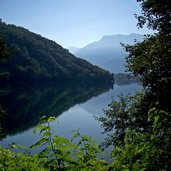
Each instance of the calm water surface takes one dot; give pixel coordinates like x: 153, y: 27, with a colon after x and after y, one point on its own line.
x: 73, y: 105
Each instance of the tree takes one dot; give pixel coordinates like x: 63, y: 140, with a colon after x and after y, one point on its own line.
x: 139, y: 127
x: 156, y: 15
x: 4, y: 51
x: 139, y: 150
x: 150, y: 59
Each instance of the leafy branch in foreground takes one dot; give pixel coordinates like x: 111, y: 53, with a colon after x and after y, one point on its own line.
x: 146, y: 150
x: 58, y: 153
x: 139, y: 151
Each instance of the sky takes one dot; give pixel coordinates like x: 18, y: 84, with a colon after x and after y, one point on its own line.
x: 73, y: 22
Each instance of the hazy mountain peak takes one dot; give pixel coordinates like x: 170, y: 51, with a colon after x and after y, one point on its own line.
x: 108, y: 52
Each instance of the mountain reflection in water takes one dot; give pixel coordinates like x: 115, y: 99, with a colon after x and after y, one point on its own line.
x: 24, y: 104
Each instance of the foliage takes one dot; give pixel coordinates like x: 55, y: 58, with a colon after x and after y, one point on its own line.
x: 36, y: 59
x: 4, y: 54
x: 139, y: 151
x: 4, y: 51
x: 146, y: 151
x: 150, y: 59
x: 58, y: 153
x: 156, y: 15
x: 139, y: 126
x: 126, y: 113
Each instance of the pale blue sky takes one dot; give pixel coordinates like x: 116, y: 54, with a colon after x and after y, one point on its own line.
x: 73, y: 22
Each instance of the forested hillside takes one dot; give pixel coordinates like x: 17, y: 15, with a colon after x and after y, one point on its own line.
x: 34, y: 58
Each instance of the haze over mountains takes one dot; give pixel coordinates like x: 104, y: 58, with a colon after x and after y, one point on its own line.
x: 34, y: 58
x: 73, y: 49
x: 108, y: 52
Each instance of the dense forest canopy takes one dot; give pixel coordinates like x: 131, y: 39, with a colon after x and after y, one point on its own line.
x: 34, y: 58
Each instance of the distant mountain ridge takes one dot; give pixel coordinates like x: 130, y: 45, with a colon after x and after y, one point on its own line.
x: 73, y: 49
x: 108, y: 52
x: 36, y: 59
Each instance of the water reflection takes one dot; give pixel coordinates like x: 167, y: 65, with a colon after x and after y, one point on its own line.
x: 24, y: 104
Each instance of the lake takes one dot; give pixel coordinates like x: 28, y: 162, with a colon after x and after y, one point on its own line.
x: 74, y: 105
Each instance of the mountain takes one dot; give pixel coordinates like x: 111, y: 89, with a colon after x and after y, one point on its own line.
x: 108, y: 52
x: 73, y: 49
x: 25, y: 104
x: 36, y: 59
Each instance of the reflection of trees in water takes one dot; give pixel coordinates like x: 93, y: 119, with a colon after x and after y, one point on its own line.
x: 2, y: 113
x: 26, y: 103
